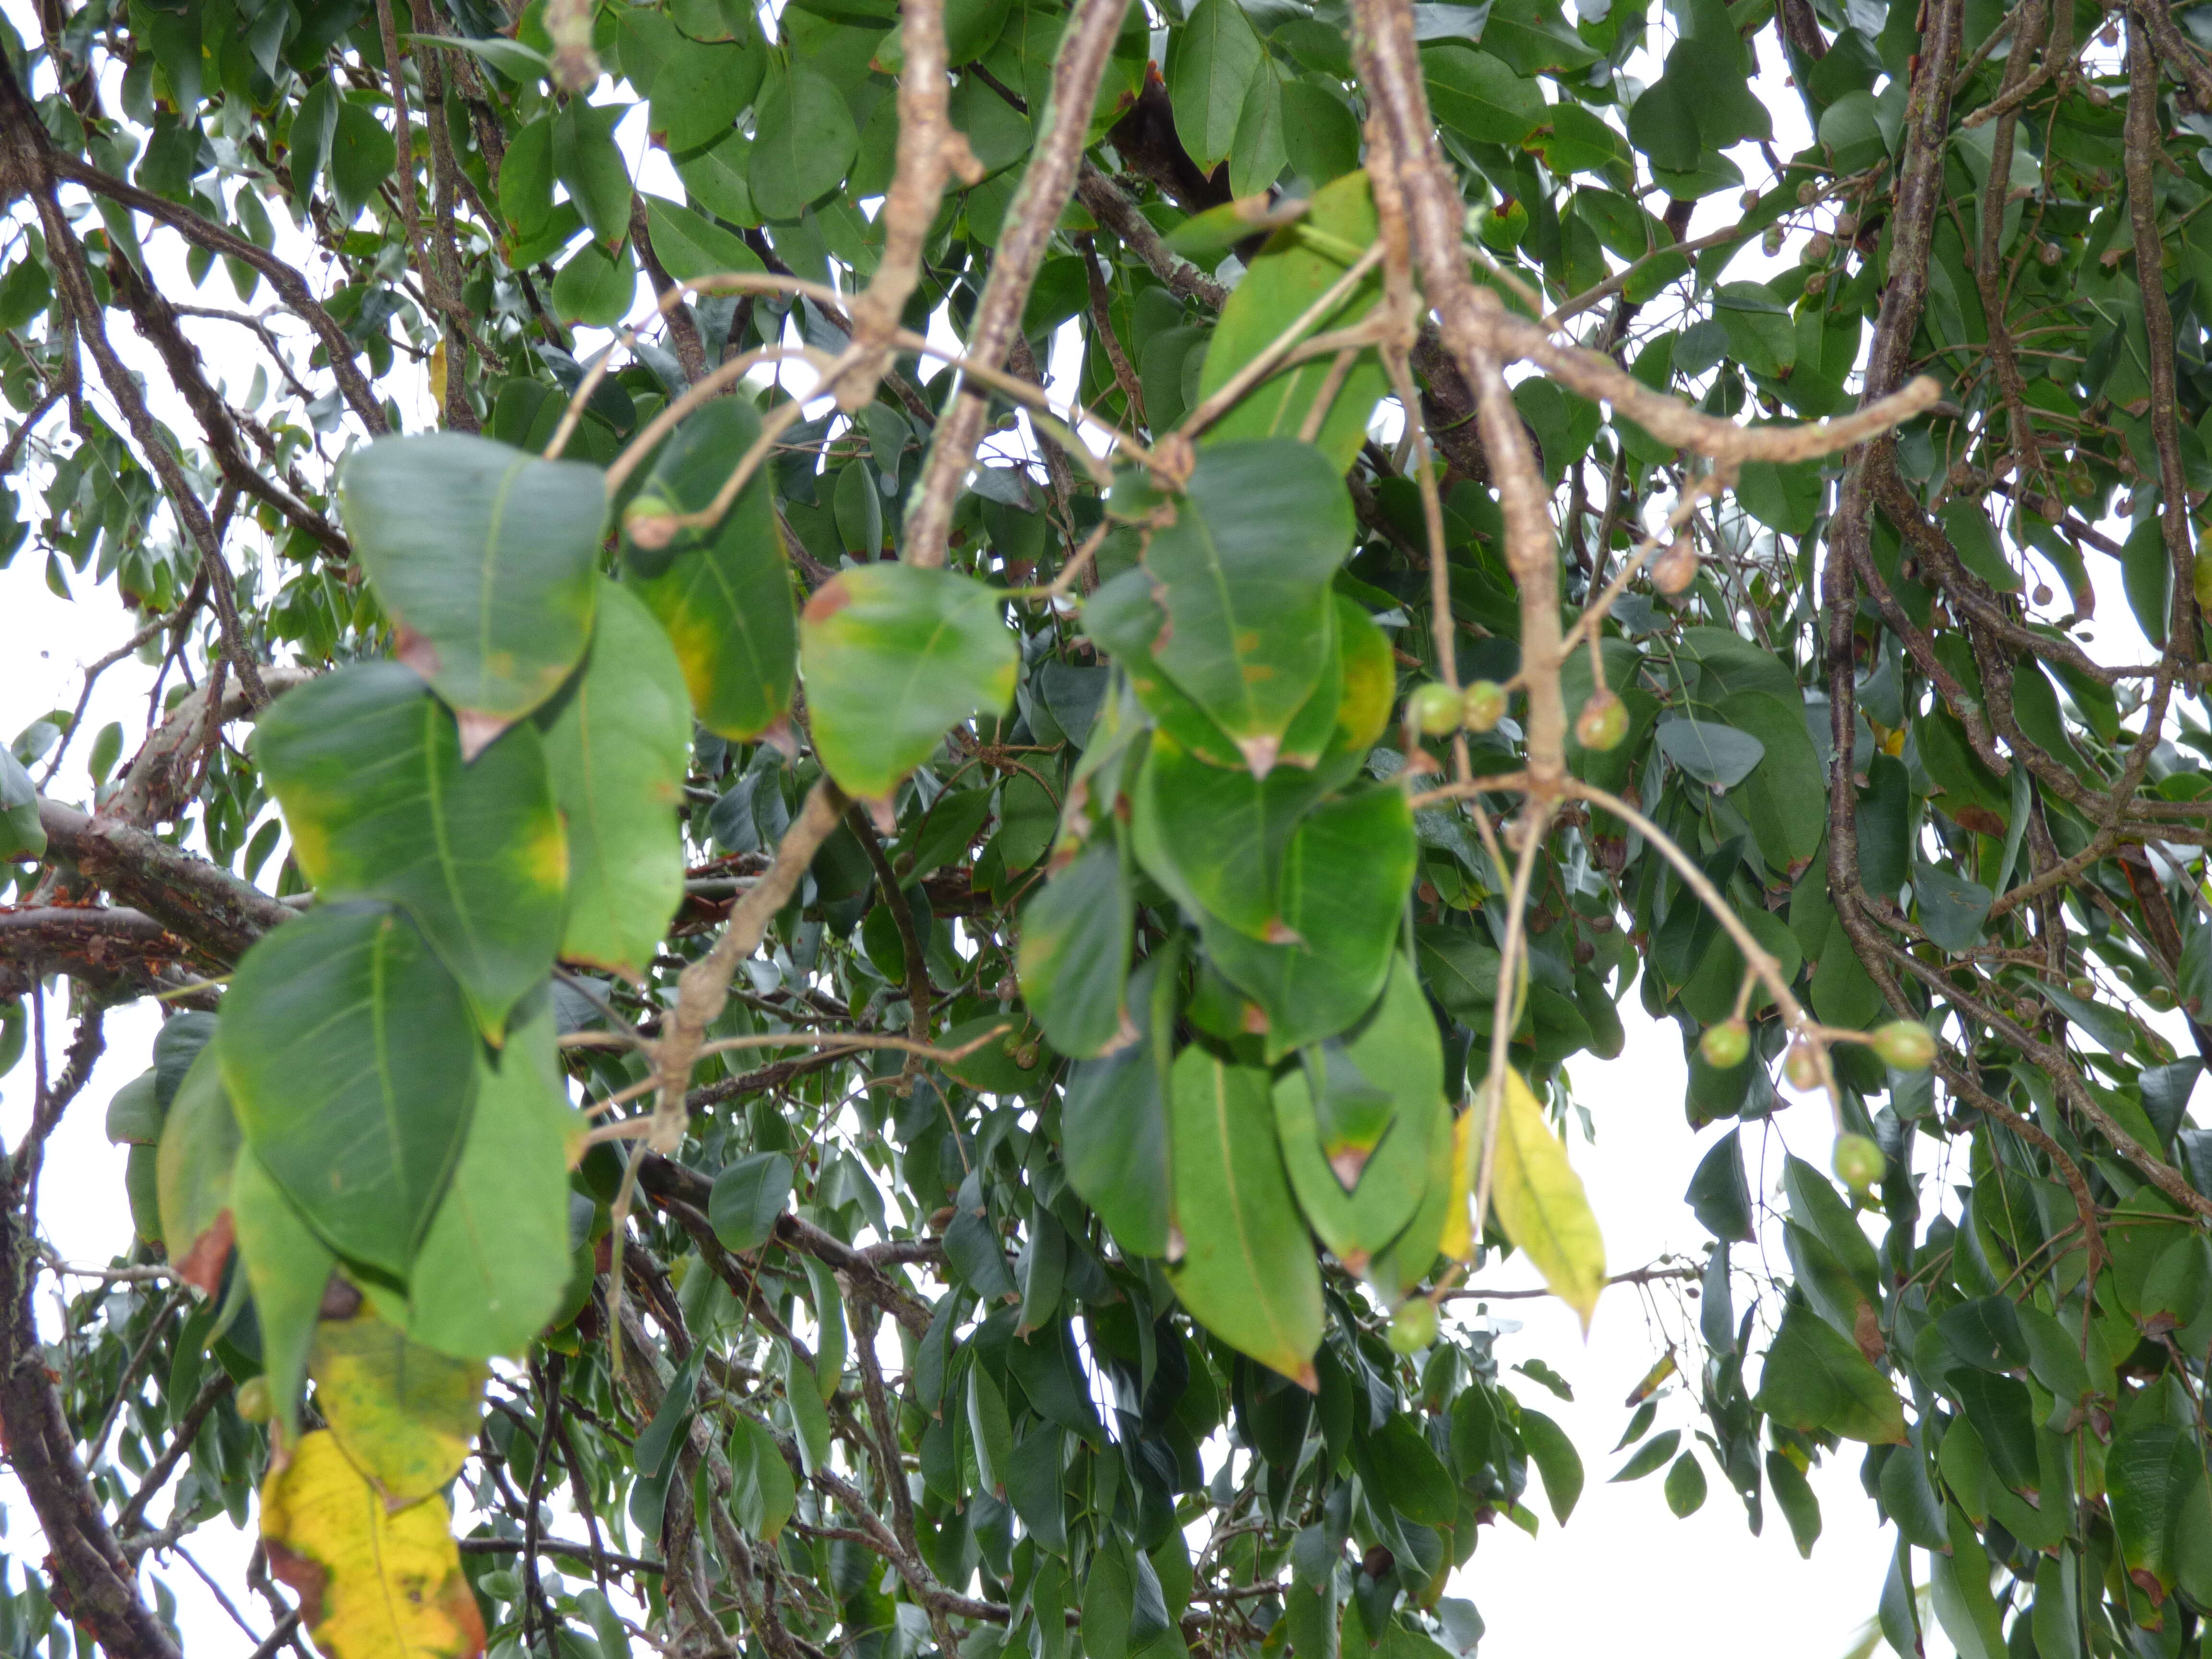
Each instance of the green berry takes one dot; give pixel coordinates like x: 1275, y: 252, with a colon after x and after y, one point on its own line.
x: 1906, y: 1045
x: 2160, y: 997
x: 255, y: 1403
x: 1726, y: 1045
x: 1484, y: 705
x: 1603, y: 722
x: 1413, y: 1326
x: 1858, y: 1163
x: 650, y: 523
x: 1802, y: 1067
x: 2203, y: 581
x: 1433, y: 710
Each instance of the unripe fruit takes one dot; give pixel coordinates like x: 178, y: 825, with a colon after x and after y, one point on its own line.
x: 1772, y: 240
x: 255, y: 1403
x: 2160, y: 997
x: 1484, y: 706
x: 1726, y: 1045
x: 1847, y: 225
x: 1676, y: 569
x: 1817, y: 282
x: 1858, y: 1163
x: 2082, y: 985
x: 1802, y: 1067
x: 2050, y: 252
x: 1603, y: 722
x: 2044, y: 595
x: 1413, y: 1326
x: 1818, y: 247
x: 1808, y: 193
x: 650, y: 523
x: 2202, y: 582
x: 1906, y: 1045
x: 1432, y: 709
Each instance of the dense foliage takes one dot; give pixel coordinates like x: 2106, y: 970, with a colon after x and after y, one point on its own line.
x: 890, y: 1018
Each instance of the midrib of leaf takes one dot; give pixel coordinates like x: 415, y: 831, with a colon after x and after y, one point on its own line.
x: 447, y: 869
x: 490, y: 570
x: 1236, y: 1210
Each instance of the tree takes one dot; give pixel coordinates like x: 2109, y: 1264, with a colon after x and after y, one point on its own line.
x: 1061, y: 963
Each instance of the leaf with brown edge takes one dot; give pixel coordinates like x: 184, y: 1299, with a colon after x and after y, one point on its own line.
x: 372, y: 1584
x: 198, y: 1151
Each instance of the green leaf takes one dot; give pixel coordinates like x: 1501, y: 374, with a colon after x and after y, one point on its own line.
x: 993, y: 1430
x: 1952, y: 908
x: 596, y: 286
x: 718, y: 179
x: 1816, y: 1379
x: 1246, y: 567
x: 1407, y: 1474
x: 315, y: 124
x: 1651, y: 1454
x: 21, y: 835
x: 697, y: 89
x: 1480, y: 98
x: 199, y: 1149
x: 748, y: 1197
x: 589, y: 161
x: 1556, y: 1459
x: 1113, y: 1125
x: 1074, y: 959
x: 1460, y: 970
x: 1284, y: 280
x: 484, y: 556
x: 1245, y: 1270
x: 1539, y: 1202
x: 1719, y: 1194
x: 1717, y: 755
x: 526, y: 179
x: 723, y: 594
x: 1794, y: 1496
x: 1034, y: 1476
x: 403, y: 1414
x: 894, y: 656
x: 617, y: 740
x: 1215, y: 837
x: 349, y: 1057
x: 763, y: 1495
x: 1344, y: 875
x: 1360, y: 1182
x: 1211, y: 61
x: 367, y: 764
x: 803, y: 142
x: 1685, y: 1486
x: 134, y: 1117
x: 362, y: 155
x: 288, y: 1267
x: 495, y: 1262
x: 1785, y: 798
x: 689, y: 244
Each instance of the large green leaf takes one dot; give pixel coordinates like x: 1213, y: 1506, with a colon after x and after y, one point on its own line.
x: 484, y: 556
x: 894, y: 655
x: 1246, y: 567
x: 1289, y: 274
x: 589, y: 161
x: 1480, y: 98
x: 350, y: 1059
x: 1355, y: 1120
x: 1816, y: 1379
x: 1211, y: 60
x: 804, y: 141
x: 618, y: 739
x: 1075, y: 950
x: 1114, y: 1122
x: 1246, y: 1271
x: 198, y: 1151
x: 1344, y: 875
x: 494, y: 1262
x: 698, y: 89
x: 367, y: 766
x: 723, y: 594
x: 288, y: 1267
x: 1214, y: 838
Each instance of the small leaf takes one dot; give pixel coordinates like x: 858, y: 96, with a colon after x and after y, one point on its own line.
x: 1952, y: 908
x: 1075, y: 950
x: 1114, y: 1124
x: 763, y: 1495
x: 1539, y: 1202
x: 1719, y: 1194
x: 1719, y: 756
x: 894, y: 656
x: 485, y: 553
x: 1651, y: 1454
x: 1685, y: 1486
x: 1246, y: 1271
x: 22, y: 835
x: 1556, y: 1459
x: 199, y: 1149
x: 362, y: 154
x: 372, y: 1584
x: 1794, y: 1496
x: 1817, y: 1379
x: 288, y: 1268
x: 589, y: 161
x: 1211, y: 60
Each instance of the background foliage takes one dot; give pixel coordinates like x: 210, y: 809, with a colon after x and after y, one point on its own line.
x: 1034, y: 930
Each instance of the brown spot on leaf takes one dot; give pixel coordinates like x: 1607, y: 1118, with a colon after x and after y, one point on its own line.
x: 201, y: 1266
x: 829, y: 600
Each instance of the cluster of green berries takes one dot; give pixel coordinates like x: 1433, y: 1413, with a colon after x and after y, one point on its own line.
x: 1905, y: 1045
x: 1435, y: 710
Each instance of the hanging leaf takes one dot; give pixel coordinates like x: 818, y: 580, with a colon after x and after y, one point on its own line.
x: 484, y: 556
x: 199, y: 1149
x: 1075, y: 950
x: 763, y: 1495
x: 349, y: 1057
x: 1817, y: 1379
x: 803, y: 142
x: 894, y: 656
x: 288, y: 1268
x: 1214, y: 838
x: 589, y: 163
x: 1245, y: 1270
x: 367, y: 766
x: 403, y: 1416
x: 747, y: 1198
x: 1211, y: 61
x: 1716, y: 756
x: 1539, y: 1202
x: 1114, y: 1122
x: 372, y: 1584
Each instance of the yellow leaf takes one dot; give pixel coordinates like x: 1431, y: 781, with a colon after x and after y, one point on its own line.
x: 438, y: 373
x: 372, y: 1584
x: 1458, y: 1242
x: 403, y: 1414
x: 1539, y: 1202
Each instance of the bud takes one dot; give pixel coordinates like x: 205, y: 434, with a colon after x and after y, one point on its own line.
x: 1801, y: 1067
x: 1847, y: 225
x: 1673, y: 571
x: 1432, y: 709
x: 1484, y: 706
x: 2082, y: 985
x: 2098, y: 96
x: 1772, y: 242
x: 1725, y: 1046
x: 2044, y: 595
x: 1858, y: 1163
x: 255, y: 1403
x: 1816, y: 283
x: 1818, y: 247
x: 2161, y: 998
x: 1413, y: 1326
x: 1603, y: 722
x: 1906, y: 1045
x: 2050, y: 252
x: 1808, y: 193
x: 1747, y: 200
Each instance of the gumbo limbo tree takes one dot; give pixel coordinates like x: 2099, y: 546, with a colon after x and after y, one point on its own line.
x: 884, y: 1029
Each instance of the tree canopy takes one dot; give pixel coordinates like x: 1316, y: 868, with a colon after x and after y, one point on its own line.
x: 870, y: 874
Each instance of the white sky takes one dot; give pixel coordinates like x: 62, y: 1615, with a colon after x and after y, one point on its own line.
x: 1624, y: 1567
